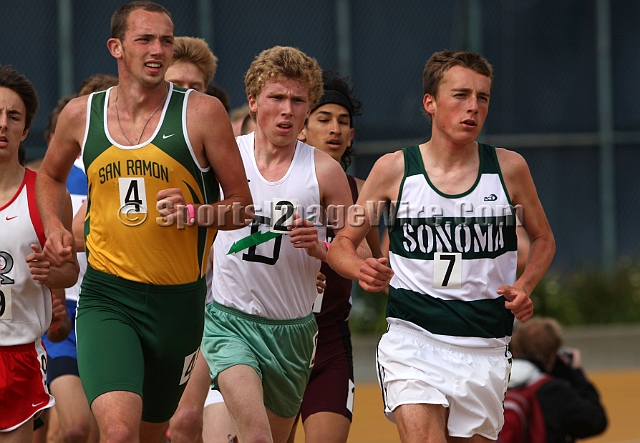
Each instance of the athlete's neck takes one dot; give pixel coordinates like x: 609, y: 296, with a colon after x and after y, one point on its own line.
x: 138, y: 101
x: 448, y: 156
x: 452, y: 171
x: 273, y: 161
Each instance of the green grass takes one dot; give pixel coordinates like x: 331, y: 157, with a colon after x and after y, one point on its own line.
x: 590, y: 296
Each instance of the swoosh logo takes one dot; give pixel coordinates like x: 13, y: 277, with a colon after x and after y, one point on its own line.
x: 165, y: 136
x: 10, y: 218
x: 33, y: 405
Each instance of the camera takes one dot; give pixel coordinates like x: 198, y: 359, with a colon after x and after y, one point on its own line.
x: 567, y: 355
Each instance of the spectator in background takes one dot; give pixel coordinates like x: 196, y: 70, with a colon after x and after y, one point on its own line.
x: 569, y: 402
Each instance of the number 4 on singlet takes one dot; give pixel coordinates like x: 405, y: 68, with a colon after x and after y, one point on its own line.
x: 447, y: 270
x: 133, y: 195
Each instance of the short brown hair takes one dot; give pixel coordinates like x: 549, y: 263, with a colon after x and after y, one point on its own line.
x: 284, y: 63
x: 538, y: 338
x: 120, y: 17
x: 441, y: 62
x: 195, y: 50
x: 95, y: 83
x: 20, y: 84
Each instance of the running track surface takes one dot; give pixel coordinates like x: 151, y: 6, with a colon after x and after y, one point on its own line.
x: 619, y: 392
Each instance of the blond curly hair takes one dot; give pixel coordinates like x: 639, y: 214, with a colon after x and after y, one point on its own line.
x: 280, y: 63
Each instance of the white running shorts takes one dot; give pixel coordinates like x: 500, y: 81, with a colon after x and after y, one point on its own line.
x: 416, y: 369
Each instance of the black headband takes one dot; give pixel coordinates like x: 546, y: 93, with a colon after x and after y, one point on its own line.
x: 337, y: 97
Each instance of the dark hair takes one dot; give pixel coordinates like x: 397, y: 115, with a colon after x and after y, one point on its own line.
x: 120, y: 17
x: 217, y: 91
x: 52, y: 120
x: 18, y: 83
x: 22, y: 155
x: 336, y: 90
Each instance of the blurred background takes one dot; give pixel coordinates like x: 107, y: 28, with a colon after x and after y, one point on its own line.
x: 564, y: 96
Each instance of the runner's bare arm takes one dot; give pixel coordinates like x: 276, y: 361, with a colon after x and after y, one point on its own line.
x: 522, y: 190
x: 382, y: 185
x: 60, y: 321
x: 78, y: 226
x: 63, y: 275
x: 370, y: 247
x: 334, y: 190
x: 212, y: 139
x: 52, y: 177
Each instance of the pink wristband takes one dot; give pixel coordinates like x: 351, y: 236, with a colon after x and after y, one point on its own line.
x: 327, y: 244
x: 192, y: 215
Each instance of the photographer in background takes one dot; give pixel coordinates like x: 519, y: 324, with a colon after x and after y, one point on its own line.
x: 569, y: 403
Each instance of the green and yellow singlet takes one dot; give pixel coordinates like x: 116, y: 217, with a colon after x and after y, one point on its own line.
x: 122, y: 235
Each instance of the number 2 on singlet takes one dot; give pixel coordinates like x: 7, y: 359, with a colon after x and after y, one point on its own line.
x: 447, y: 270
x: 282, y: 211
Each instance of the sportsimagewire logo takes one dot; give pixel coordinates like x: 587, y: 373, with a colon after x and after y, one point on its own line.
x: 132, y: 214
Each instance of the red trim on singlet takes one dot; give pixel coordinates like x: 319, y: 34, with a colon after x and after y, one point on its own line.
x: 30, y: 178
x: 24, y: 180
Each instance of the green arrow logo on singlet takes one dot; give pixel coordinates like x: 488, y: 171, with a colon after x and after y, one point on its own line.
x: 255, y: 239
